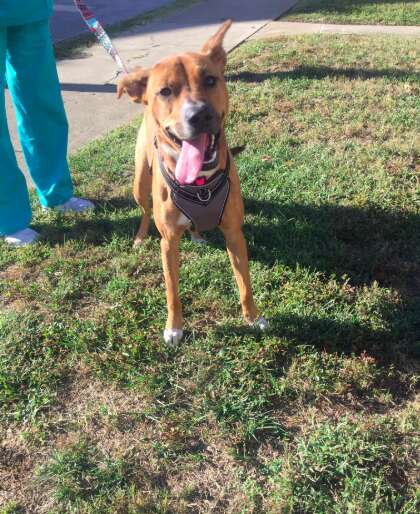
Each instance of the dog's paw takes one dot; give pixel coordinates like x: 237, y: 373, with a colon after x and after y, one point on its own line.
x: 198, y: 239
x: 172, y: 336
x: 138, y: 242
x: 261, y: 323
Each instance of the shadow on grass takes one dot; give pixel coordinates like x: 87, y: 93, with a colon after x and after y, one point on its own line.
x: 116, y: 203
x: 99, y: 229
x: 321, y: 72
x: 330, y: 335
x: 345, y: 7
x: 362, y: 244
x: 365, y: 244
x: 395, y: 350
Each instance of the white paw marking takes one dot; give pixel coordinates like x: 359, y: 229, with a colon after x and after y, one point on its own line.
x: 172, y: 336
x: 261, y: 323
x: 199, y: 240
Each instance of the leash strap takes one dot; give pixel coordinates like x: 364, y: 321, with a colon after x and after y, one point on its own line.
x: 96, y: 28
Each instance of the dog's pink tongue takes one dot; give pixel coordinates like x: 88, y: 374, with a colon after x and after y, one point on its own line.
x: 191, y: 159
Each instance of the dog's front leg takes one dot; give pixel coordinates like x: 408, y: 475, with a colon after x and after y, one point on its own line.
x: 142, y: 187
x: 170, y: 260
x: 238, y: 255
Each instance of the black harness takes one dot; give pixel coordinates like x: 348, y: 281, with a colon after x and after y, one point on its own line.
x: 202, y: 205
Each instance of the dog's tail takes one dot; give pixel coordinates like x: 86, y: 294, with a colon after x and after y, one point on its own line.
x: 236, y: 150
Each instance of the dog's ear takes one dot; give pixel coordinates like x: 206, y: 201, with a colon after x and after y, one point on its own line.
x: 134, y: 84
x: 214, y: 46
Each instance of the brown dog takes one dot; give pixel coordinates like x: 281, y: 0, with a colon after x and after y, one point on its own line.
x: 182, y: 159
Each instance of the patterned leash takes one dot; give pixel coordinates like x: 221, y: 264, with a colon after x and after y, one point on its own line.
x: 96, y: 28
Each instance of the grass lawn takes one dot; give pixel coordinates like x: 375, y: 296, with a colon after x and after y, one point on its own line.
x: 375, y: 12
x: 319, y: 414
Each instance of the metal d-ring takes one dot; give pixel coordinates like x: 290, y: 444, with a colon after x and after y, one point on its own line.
x: 204, y: 200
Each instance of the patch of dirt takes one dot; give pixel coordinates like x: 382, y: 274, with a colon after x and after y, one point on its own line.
x: 24, y: 448
x: 17, y: 464
x: 199, y: 473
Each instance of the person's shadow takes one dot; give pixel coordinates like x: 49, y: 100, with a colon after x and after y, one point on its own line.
x: 366, y: 244
x: 358, y: 246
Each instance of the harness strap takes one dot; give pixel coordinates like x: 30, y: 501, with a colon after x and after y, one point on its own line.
x: 202, y: 205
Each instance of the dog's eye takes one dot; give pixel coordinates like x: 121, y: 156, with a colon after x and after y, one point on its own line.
x: 166, y: 91
x: 210, y: 81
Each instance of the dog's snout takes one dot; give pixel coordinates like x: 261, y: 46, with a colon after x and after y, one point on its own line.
x: 200, y: 117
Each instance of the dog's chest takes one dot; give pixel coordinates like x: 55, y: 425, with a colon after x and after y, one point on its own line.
x: 183, y: 221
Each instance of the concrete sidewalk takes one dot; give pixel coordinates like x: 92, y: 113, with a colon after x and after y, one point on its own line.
x: 66, y: 21
x: 287, y: 28
x: 90, y: 100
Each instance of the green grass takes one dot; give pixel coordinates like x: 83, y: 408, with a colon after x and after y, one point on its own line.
x: 342, y: 467
x: 84, y: 479
x: 364, y: 12
x: 320, y: 413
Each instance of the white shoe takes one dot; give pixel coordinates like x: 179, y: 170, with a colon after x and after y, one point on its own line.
x: 23, y: 237
x: 75, y: 205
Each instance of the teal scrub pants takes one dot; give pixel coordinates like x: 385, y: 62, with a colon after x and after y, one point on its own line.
x: 27, y: 64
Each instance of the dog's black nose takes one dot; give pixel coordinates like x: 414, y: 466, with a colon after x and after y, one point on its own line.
x: 200, y: 117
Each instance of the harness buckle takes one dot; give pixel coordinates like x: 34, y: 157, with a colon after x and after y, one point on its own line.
x: 201, y: 191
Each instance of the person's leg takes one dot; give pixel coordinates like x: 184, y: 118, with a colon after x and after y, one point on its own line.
x: 43, y: 131
x: 15, y: 210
